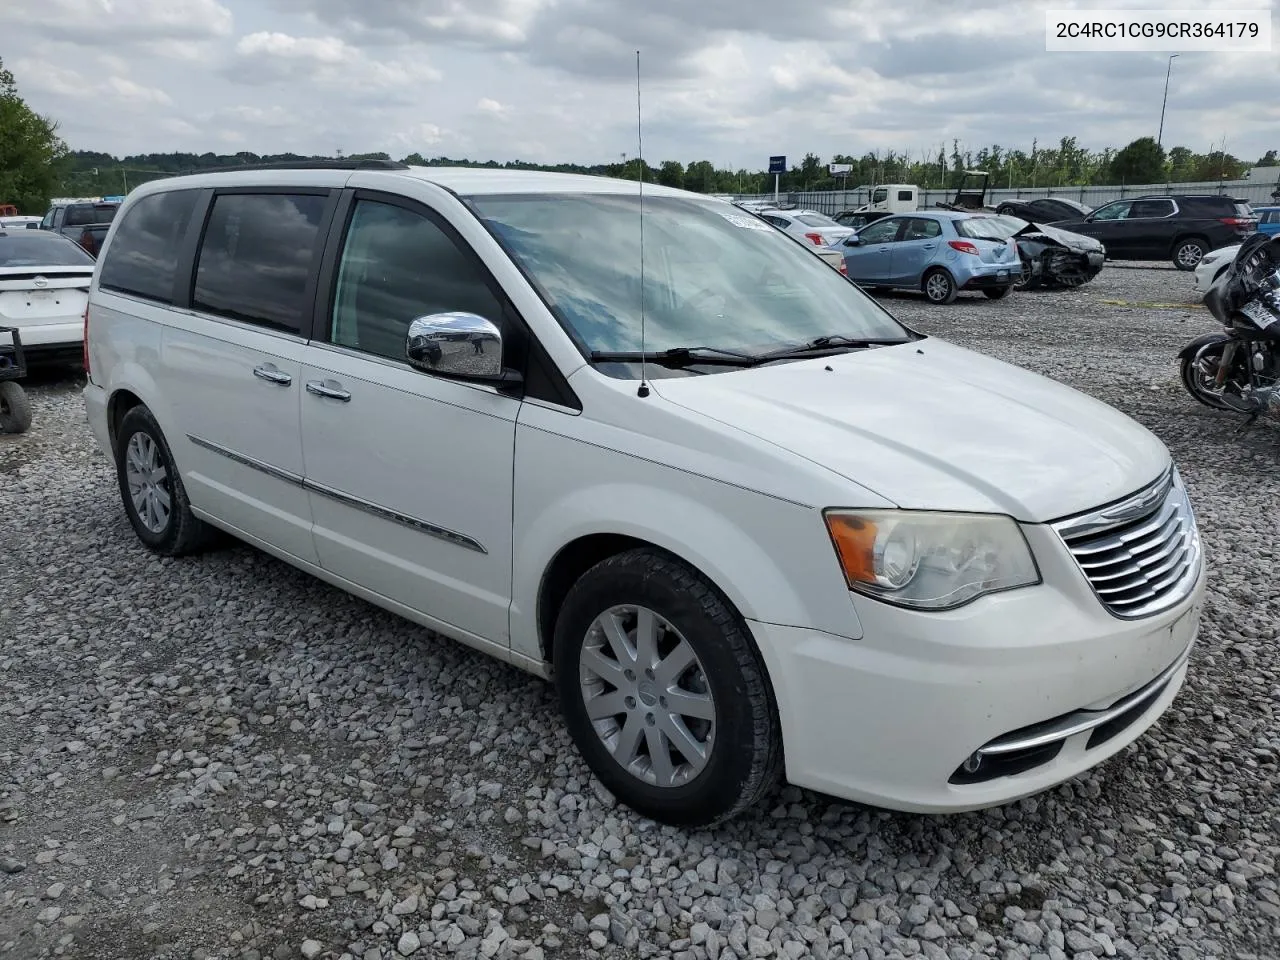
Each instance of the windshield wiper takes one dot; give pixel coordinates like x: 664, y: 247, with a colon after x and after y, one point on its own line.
x: 819, y: 345
x: 677, y: 357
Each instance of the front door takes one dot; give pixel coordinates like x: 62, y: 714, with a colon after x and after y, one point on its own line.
x: 1107, y: 224
x: 409, y: 474
x: 870, y: 261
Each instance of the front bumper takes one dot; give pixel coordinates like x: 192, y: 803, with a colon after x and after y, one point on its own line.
x: 890, y: 720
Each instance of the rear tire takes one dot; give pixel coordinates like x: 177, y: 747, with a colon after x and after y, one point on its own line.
x: 621, y: 638
x: 1188, y: 252
x: 997, y: 293
x: 15, y: 408
x: 938, y: 286
x: 150, y: 486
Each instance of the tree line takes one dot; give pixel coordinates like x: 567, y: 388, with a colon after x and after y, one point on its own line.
x: 35, y: 164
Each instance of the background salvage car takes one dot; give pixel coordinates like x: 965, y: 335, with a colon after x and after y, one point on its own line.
x: 1052, y: 257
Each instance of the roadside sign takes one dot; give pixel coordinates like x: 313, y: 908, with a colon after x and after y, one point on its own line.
x: 777, y: 164
x: 839, y: 168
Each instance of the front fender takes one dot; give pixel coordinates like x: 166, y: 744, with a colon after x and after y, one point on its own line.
x: 1190, y: 350
x: 772, y: 560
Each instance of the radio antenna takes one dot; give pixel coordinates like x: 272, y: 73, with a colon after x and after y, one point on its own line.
x: 644, y: 370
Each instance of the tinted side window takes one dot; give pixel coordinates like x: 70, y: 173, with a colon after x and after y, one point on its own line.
x: 1151, y: 208
x: 143, y: 257
x: 256, y: 257
x: 904, y: 195
x: 396, y: 266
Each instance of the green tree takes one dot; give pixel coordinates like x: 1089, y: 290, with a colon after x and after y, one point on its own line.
x: 671, y: 173
x: 30, y: 151
x: 1140, y: 162
x: 1269, y: 159
x: 1218, y: 166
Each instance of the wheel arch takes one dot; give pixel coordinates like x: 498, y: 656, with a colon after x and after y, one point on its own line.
x: 767, y: 569
x: 1204, y: 340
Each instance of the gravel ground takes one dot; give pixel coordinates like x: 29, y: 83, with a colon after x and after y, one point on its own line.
x: 222, y: 757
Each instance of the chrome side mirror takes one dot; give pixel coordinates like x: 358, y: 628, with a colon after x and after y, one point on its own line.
x: 461, y: 345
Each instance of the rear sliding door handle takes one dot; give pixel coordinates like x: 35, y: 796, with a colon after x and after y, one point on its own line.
x: 328, y: 389
x: 272, y: 374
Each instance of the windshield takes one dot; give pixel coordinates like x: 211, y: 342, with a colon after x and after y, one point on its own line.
x: 41, y: 250
x: 989, y: 228
x: 714, y: 276
x: 816, y: 220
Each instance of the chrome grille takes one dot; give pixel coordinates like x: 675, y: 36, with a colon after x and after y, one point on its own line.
x: 1141, y: 555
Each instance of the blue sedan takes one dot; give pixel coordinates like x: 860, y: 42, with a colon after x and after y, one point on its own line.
x: 938, y: 252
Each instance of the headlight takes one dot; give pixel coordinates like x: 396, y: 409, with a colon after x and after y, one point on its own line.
x: 930, y: 561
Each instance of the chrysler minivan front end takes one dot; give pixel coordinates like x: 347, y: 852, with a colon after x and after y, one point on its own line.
x: 997, y: 658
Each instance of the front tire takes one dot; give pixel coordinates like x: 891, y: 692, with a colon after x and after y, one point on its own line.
x: 1188, y: 253
x: 15, y: 408
x: 1198, y: 380
x: 938, y: 287
x: 150, y: 486
x: 664, y: 692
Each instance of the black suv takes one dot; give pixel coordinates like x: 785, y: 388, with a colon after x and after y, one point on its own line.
x: 1183, y: 228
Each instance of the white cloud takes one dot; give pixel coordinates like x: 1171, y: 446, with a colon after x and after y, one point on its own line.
x: 732, y: 81
x: 105, y: 21
x: 269, y: 56
x: 326, y: 50
x: 131, y: 92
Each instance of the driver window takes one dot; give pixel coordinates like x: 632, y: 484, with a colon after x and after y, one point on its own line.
x: 1113, y: 211
x: 398, y: 265
x: 882, y: 231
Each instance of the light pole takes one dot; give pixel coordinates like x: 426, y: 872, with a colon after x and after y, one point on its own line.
x: 1168, y: 71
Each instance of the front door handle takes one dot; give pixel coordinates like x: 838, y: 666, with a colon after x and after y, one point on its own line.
x: 328, y: 388
x: 272, y: 374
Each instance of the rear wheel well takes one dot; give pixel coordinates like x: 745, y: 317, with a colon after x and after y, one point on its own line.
x: 121, y: 402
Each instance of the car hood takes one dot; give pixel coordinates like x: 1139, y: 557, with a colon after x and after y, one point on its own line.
x: 932, y: 426
x: 1072, y: 241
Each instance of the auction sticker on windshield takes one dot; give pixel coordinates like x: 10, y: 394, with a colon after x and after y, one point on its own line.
x: 1088, y: 31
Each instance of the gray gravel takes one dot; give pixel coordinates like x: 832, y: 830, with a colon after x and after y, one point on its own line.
x: 221, y: 757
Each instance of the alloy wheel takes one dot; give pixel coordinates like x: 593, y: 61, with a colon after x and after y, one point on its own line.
x: 148, y: 482
x: 937, y: 287
x: 647, y: 696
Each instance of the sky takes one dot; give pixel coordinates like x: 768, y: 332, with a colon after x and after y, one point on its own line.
x: 730, y: 81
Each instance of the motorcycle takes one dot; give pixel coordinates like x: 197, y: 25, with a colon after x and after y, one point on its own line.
x: 1239, y: 369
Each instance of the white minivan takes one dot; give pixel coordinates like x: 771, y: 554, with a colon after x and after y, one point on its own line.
x: 748, y: 523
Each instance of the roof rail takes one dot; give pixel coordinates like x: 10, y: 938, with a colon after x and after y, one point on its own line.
x: 313, y: 165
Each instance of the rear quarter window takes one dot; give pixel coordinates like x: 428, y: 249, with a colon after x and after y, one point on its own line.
x: 142, y: 259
